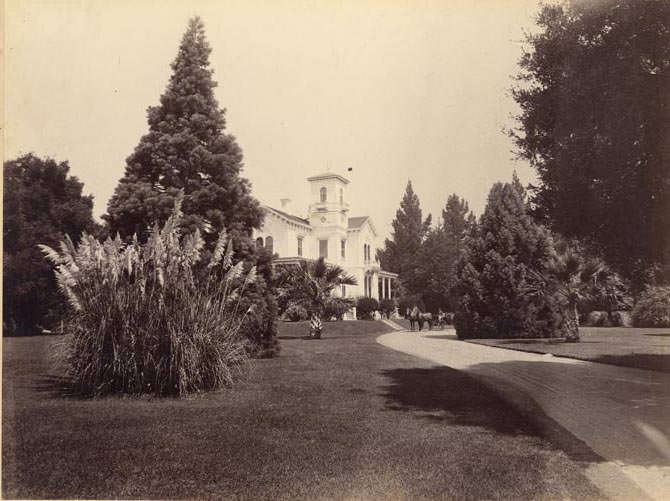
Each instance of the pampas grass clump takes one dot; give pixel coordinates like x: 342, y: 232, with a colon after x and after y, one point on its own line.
x: 143, y: 321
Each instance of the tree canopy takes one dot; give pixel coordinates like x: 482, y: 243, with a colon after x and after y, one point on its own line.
x: 440, y: 252
x: 41, y: 205
x: 492, y: 274
x: 186, y: 149
x: 594, y: 92
x: 409, y: 231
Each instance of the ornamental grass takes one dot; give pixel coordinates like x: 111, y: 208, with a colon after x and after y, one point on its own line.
x: 152, y: 318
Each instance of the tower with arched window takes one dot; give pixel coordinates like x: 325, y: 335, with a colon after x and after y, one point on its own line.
x: 330, y: 232
x: 328, y: 215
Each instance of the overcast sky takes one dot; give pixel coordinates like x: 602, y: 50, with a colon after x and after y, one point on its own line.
x: 396, y: 90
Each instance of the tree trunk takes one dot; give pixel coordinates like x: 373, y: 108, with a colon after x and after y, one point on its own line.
x: 572, y: 323
x: 315, y: 326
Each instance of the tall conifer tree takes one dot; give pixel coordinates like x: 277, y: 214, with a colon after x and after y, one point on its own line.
x: 493, y: 272
x: 186, y: 149
x: 409, y: 231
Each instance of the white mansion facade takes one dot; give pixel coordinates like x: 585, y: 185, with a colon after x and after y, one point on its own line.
x: 328, y: 231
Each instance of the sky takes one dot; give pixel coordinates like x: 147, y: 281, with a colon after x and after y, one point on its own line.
x: 394, y: 90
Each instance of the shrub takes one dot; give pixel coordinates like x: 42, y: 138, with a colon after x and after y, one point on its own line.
x: 596, y: 319
x: 365, y: 307
x: 492, y: 276
x: 387, y: 306
x: 144, y: 321
x: 336, y: 308
x: 296, y: 313
x: 653, y: 308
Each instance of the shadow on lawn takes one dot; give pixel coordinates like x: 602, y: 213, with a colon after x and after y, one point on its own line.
x: 653, y: 362
x: 454, y: 397
x: 446, y: 395
x: 56, y: 386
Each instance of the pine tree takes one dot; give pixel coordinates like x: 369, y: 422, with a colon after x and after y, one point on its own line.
x: 493, y: 273
x: 409, y: 231
x: 440, y: 252
x: 186, y: 149
x: 457, y: 219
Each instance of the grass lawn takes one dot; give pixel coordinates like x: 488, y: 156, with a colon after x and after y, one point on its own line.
x: 338, y: 418
x: 625, y: 346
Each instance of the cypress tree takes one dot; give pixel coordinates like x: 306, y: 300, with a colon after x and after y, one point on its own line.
x: 493, y: 272
x: 409, y: 231
x: 440, y: 252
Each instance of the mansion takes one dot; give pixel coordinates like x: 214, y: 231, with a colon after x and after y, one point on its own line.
x: 328, y: 232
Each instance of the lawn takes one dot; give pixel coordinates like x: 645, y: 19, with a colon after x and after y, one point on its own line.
x: 625, y: 346
x: 338, y: 418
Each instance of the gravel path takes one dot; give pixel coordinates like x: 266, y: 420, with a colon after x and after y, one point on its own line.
x: 617, y: 418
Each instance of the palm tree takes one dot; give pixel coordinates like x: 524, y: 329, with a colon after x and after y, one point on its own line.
x: 310, y: 285
x: 572, y: 277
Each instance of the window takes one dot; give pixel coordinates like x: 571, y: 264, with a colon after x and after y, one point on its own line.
x: 268, y: 243
x: 300, y: 246
x: 341, y: 196
x: 365, y: 255
x: 343, y: 244
x: 323, y: 248
x: 259, y: 243
x: 324, y: 194
x: 344, y: 291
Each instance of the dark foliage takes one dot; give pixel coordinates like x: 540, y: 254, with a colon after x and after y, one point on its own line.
x: 653, y: 308
x: 594, y: 92
x: 41, y: 204
x: 296, y: 313
x: 387, y: 307
x: 310, y: 285
x: 187, y: 150
x: 493, y: 272
x: 409, y: 231
x: 439, y: 255
x: 336, y: 308
x: 365, y: 307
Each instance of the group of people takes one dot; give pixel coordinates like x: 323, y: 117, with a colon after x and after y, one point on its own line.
x: 419, y: 318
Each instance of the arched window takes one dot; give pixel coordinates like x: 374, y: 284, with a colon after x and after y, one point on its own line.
x: 324, y: 194
x: 341, y: 196
x: 259, y: 243
x: 268, y: 243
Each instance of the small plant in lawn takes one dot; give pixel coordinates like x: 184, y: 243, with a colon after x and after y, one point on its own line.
x: 144, y: 320
x: 310, y: 285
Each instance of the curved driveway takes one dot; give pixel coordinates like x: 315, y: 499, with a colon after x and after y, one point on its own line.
x: 618, y: 418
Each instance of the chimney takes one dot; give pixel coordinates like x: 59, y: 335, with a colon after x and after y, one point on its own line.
x: 285, y: 203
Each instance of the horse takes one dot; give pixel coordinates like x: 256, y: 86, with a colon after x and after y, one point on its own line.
x: 444, y: 319
x: 425, y: 318
x: 413, y: 315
